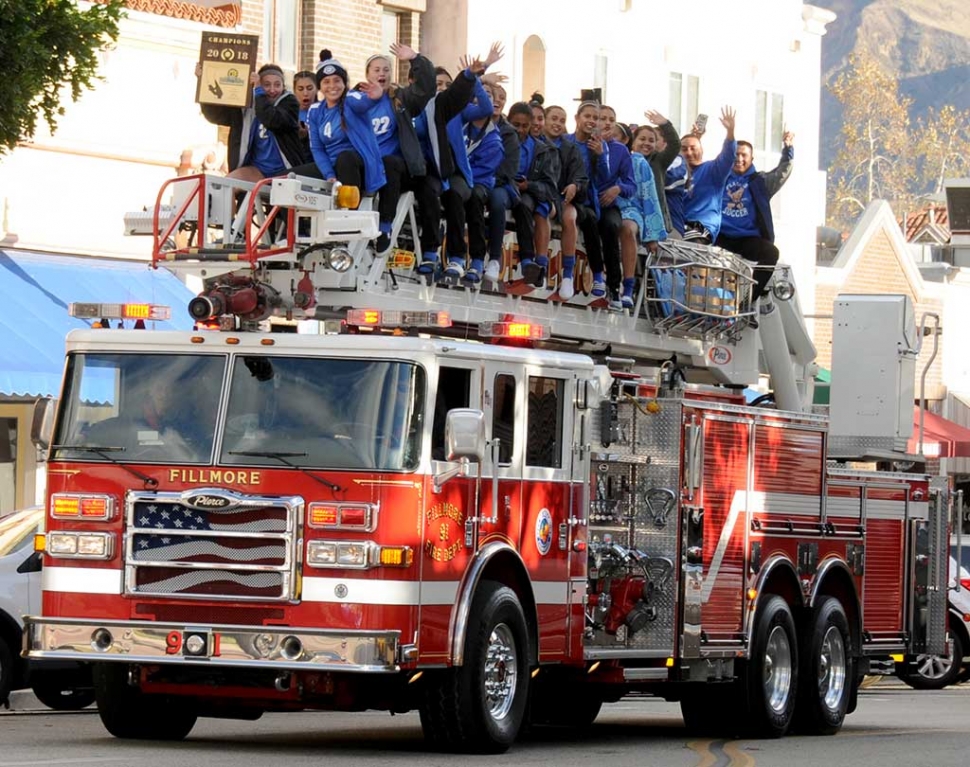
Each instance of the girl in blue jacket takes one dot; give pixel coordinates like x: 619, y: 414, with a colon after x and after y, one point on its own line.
x: 343, y: 146
x: 642, y: 217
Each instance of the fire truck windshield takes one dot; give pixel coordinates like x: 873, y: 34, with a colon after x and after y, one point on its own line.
x: 333, y: 413
x: 150, y: 408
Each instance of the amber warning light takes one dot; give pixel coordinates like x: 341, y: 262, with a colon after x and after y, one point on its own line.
x: 97, y: 311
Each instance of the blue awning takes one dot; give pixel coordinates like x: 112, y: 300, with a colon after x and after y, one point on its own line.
x: 35, y: 290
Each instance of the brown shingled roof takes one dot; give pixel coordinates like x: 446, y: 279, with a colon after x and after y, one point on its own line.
x: 227, y: 15
x: 914, y: 223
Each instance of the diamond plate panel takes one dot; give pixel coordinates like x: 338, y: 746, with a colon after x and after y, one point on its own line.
x: 635, y: 500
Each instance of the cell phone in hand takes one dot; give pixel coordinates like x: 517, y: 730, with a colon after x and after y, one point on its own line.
x: 701, y: 122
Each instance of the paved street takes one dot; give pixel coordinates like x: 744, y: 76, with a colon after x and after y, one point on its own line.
x: 893, y: 726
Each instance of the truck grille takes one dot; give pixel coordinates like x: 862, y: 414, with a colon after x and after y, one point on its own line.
x: 212, y: 544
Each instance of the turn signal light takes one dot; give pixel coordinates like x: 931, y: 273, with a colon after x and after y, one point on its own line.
x: 346, y: 196
x: 396, y: 556
x: 98, y: 311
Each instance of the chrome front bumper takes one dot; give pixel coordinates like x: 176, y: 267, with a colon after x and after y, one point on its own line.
x: 266, y: 647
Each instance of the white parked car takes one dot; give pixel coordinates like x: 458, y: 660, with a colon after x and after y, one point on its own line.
x: 57, y: 685
x: 934, y: 672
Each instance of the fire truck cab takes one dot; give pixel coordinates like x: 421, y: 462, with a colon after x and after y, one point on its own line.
x: 487, y: 522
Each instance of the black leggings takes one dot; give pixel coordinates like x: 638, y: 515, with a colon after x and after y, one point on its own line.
x: 610, y: 223
x: 349, y: 168
x: 453, y: 200
x: 525, y: 226
x: 589, y: 227
x: 761, y: 251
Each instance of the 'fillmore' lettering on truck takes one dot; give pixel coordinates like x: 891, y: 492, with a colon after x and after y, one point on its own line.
x: 206, y: 476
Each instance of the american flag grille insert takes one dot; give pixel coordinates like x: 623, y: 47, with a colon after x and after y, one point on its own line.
x: 226, y: 546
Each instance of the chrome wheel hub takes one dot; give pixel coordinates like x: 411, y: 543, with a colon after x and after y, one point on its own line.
x: 501, y: 672
x: 778, y: 670
x: 935, y: 666
x: 832, y: 668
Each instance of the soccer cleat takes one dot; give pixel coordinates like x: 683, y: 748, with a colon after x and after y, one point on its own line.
x: 566, y: 289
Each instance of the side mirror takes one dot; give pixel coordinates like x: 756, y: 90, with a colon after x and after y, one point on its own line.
x: 42, y: 424
x: 465, y: 434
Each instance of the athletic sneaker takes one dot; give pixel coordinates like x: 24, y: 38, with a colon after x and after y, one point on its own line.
x: 455, y: 269
x: 599, y: 288
x: 566, y: 290
x: 627, y: 301
x: 493, y: 272
x: 533, y: 273
x: 472, y: 275
x: 616, y: 305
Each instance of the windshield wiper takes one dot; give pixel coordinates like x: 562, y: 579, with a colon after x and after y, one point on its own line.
x: 281, y: 457
x: 104, y: 452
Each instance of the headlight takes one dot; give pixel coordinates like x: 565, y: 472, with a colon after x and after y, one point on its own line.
x: 351, y: 554
x: 339, y: 259
x: 80, y: 545
x: 358, y: 555
x: 322, y: 554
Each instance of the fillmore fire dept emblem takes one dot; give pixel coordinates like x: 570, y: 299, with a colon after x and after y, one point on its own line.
x: 445, y: 539
x: 544, y: 532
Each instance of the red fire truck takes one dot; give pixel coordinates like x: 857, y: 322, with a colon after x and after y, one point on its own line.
x: 493, y: 507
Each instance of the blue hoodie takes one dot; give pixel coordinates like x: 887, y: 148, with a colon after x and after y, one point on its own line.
x: 454, y: 129
x: 596, y: 168
x: 707, y: 188
x: 485, y: 153
x: 358, y: 131
x: 617, y: 170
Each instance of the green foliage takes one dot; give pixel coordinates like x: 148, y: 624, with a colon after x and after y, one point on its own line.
x: 48, y: 48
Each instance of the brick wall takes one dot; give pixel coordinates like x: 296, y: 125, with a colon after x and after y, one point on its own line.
x: 878, y: 270
x: 351, y: 29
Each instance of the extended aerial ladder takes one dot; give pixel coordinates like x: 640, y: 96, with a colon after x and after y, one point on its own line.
x: 296, y: 248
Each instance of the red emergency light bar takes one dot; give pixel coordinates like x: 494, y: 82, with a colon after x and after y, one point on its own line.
x: 375, y: 318
x: 512, y: 329
x: 96, y: 311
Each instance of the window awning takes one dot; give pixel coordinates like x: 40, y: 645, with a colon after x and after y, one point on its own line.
x: 942, y: 438
x: 35, y: 290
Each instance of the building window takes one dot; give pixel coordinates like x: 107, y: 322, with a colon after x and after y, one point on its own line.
x: 281, y: 32
x: 684, y: 100
x: 601, y: 66
x: 769, y: 121
x: 391, y: 33
x: 533, y: 67
x: 543, y: 445
x: 503, y: 416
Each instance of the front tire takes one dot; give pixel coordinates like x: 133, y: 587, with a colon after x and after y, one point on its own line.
x: 769, y: 679
x: 826, y: 673
x: 480, y: 706
x: 934, y: 672
x: 128, y: 713
x: 6, y: 670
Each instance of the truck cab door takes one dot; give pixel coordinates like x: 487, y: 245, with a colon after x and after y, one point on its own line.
x: 500, y: 506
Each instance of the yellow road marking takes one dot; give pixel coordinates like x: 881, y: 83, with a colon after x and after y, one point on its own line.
x: 703, y: 749
x: 738, y: 757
